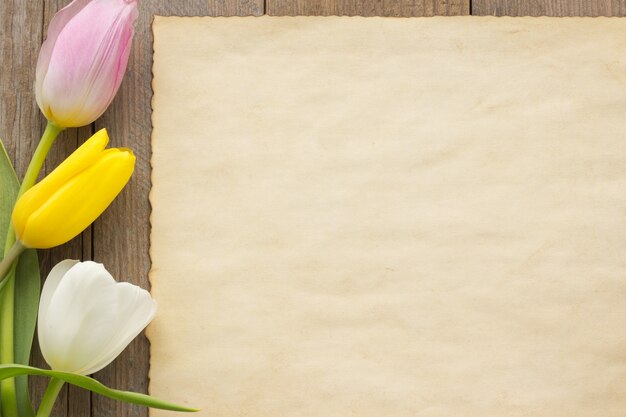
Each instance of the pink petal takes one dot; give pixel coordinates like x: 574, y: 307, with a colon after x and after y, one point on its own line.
x: 89, y: 53
x: 113, y: 64
x: 55, y: 27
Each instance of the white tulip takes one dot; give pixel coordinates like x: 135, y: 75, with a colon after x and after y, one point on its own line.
x: 86, y: 318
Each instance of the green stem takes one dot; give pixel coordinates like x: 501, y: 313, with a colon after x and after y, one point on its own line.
x: 9, y: 259
x: 34, y: 167
x: 7, y: 297
x: 49, y: 398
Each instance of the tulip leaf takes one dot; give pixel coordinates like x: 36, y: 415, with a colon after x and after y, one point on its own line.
x: 8, y: 180
x: 27, y: 284
x: 10, y: 371
x: 27, y: 290
x: 9, y: 186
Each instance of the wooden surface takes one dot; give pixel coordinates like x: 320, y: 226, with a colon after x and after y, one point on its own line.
x: 120, y: 238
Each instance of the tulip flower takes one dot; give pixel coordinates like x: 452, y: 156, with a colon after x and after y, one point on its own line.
x: 86, y: 318
x: 72, y: 196
x: 82, y: 62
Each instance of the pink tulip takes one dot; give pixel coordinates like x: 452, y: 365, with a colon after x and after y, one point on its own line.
x: 83, y: 60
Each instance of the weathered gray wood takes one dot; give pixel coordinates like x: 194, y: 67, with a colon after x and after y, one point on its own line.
x: 20, y: 36
x: 234, y: 8
x: 367, y: 7
x: 549, y: 7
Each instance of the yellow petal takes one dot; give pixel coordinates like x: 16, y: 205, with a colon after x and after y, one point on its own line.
x: 75, y: 205
x: 83, y: 157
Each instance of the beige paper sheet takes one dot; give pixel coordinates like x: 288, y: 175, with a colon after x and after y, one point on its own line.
x: 390, y: 217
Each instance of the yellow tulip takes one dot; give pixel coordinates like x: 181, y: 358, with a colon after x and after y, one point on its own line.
x: 68, y: 200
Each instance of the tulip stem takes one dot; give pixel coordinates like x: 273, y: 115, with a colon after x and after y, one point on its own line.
x: 7, y: 296
x: 50, y: 397
x: 34, y: 167
x: 7, y: 262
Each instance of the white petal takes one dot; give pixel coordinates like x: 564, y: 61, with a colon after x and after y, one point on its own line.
x: 91, y: 318
x: 49, y: 287
x: 78, y: 319
x: 137, y: 309
x: 52, y: 281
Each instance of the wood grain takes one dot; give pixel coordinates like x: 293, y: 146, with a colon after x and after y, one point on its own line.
x: 120, y: 238
x: 549, y: 7
x: 367, y: 7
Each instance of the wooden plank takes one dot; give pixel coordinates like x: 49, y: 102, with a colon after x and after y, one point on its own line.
x: 367, y: 7
x: 234, y: 8
x: 121, y: 236
x: 549, y: 7
x: 21, y: 122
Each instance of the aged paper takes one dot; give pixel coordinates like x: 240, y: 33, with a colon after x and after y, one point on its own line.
x: 379, y: 217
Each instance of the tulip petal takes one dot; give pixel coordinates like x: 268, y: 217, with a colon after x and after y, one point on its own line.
x: 80, y: 201
x: 52, y: 282
x: 55, y: 27
x: 90, y: 318
x: 83, y: 69
x: 49, y: 287
x: 136, y: 309
x: 78, y: 161
x: 79, y: 318
x: 109, y: 72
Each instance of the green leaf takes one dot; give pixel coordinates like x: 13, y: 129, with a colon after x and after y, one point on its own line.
x: 27, y: 290
x: 10, y: 371
x: 9, y: 186
x: 27, y: 284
